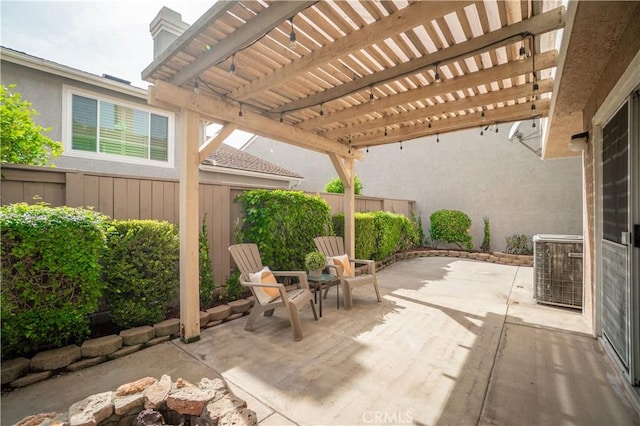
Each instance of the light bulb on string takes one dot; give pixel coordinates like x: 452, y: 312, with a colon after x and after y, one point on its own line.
x: 522, y: 52
x: 385, y: 131
x: 436, y: 77
x: 232, y: 67
x: 481, y: 131
x: 400, y: 145
x: 437, y: 138
x: 367, y: 149
x: 321, y: 110
x: 292, y: 36
x: 196, y: 87
x: 497, y: 128
x: 240, y: 111
x: 533, y: 123
x: 372, y: 99
x: 281, y: 118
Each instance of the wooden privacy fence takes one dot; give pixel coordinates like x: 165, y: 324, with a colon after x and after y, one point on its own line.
x: 129, y: 197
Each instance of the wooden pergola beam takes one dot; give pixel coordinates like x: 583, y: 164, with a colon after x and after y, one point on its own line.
x: 212, y: 144
x: 251, y: 31
x: 498, y: 115
x: 486, y: 76
x: 548, y: 21
x: 464, y: 104
x: 405, y: 19
x: 250, y: 121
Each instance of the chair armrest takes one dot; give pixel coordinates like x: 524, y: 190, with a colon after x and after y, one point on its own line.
x: 338, y: 270
x: 371, y: 264
x: 301, y: 275
x: 252, y: 284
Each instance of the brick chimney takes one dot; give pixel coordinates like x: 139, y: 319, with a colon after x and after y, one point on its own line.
x: 165, y: 28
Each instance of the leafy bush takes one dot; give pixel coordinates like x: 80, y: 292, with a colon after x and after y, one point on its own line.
x: 207, y: 285
x: 232, y: 286
x: 451, y: 226
x: 336, y: 186
x: 395, y: 232
x: 50, y: 275
x: 141, y: 271
x: 416, y: 219
x: 23, y: 141
x: 486, y: 240
x: 519, y: 244
x: 365, y: 230
x: 283, y: 224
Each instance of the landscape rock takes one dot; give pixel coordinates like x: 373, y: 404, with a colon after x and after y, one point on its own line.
x: 149, y: 418
x: 55, y: 358
x: 85, y: 363
x: 91, y: 410
x: 219, y: 312
x: 156, y: 394
x: 125, y: 350
x: 190, y: 400
x: 38, y: 419
x: 30, y: 379
x: 128, y: 404
x: 137, y: 335
x: 13, y: 369
x: 101, y: 346
x: 239, y: 306
x: 244, y: 417
x: 135, y: 387
x: 170, y: 327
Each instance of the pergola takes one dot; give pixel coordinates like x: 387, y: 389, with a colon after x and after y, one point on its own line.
x: 337, y: 77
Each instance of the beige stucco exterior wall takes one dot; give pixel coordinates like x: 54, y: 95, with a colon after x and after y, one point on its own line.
x: 481, y: 176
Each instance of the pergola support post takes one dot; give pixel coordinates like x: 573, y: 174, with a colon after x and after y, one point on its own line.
x: 345, y: 168
x: 189, y: 221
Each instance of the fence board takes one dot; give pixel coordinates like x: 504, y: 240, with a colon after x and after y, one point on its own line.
x: 120, y: 199
x: 146, y: 211
x: 133, y: 198
x: 145, y: 198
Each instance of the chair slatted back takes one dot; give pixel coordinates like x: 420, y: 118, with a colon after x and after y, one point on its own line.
x: 330, y: 246
x: 247, y: 258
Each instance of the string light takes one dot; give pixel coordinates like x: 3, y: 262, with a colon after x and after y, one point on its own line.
x: 497, y: 128
x: 232, y: 67
x: 321, y: 110
x: 482, y: 115
x: 437, y: 138
x: 533, y: 123
x: 429, y: 122
x: 372, y: 99
x: 385, y: 131
x: 240, y: 110
x: 367, y: 148
x: 349, y: 144
x: 281, y: 118
x: 400, y: 145
x: 292, y: 36
x: 522, y: 52
x: 196, y: 87
x: 481, y: 131
x: 436, y: 77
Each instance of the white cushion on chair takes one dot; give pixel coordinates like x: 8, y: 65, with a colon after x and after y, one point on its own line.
x: 343, y: 261
x: 264, y: 294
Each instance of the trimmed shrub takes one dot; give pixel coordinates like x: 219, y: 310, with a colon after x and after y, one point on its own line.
x: 519, y: 244
x: 486, y: 240
x: 50, y: 275
x: 451, y: 226
x: 336, y: 186
x: 141, y: 271
x: 420, y: 238
x: 207, y: 285
x: 395, y: 232
x: 365, y: 230
x: 283, y: 225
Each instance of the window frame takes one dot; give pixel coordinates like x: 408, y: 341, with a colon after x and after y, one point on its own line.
x: 67, y: 128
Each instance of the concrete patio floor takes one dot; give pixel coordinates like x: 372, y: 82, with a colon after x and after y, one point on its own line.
x: 454, y: 342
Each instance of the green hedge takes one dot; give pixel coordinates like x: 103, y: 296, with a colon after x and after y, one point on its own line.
x: 50, y: 275
x: 141, y: 270
x: 283, y: 225
x: 365, y: 230
x: 379, y: 234
x: 451, y: 226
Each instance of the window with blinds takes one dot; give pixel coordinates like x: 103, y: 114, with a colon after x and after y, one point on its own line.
x: 103, y: 127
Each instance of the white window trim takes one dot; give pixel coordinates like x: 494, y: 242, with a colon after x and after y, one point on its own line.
x: 67, y: 94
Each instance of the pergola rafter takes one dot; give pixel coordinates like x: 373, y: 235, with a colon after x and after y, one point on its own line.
x: 360, y: 74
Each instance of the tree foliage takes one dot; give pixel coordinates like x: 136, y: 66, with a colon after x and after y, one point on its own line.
x: 23, y: 141
x: 451, y: 226
x: 335, y: 186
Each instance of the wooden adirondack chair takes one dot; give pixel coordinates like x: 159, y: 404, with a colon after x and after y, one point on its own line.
x: 333, y: 247
x: 270, y: 294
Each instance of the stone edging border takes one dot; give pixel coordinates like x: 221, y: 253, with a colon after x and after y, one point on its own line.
x: 20, y: 372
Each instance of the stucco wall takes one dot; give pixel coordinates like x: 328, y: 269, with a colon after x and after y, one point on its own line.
x: 45, y: 92
x: 482, y: 176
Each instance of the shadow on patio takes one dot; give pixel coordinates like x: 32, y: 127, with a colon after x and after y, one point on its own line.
x: 454, y: 342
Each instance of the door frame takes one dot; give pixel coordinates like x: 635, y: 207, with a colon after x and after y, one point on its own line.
x: 626, y: 85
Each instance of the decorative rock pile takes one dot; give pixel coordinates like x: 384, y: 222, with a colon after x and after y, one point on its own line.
x: 495, y: 257
x: 149, y: 401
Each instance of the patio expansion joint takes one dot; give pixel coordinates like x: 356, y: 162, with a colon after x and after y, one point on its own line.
x: 498, y: 346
